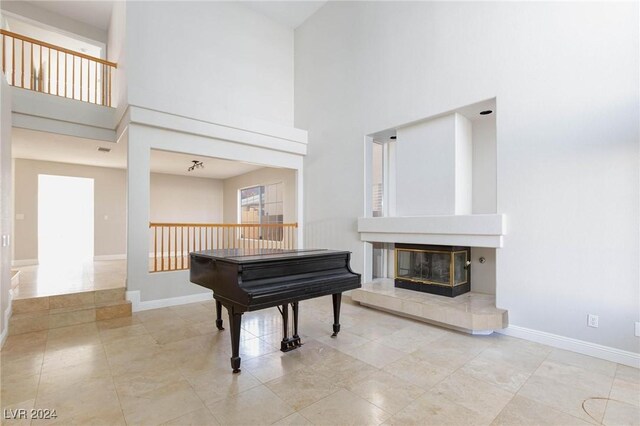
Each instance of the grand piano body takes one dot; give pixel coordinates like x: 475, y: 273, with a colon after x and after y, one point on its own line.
x: 248, y: 279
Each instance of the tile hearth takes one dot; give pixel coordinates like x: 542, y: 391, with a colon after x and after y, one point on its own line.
x: 471, y: 312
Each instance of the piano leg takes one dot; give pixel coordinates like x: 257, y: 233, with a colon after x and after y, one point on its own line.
x: 235, y: 324
x: 294, y: 308
x: 337, y: 299
x: 219, y: 315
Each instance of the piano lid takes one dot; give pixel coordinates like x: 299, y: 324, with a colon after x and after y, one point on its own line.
x: 244, y: 255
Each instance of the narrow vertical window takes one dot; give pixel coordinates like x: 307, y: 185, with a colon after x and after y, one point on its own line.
x: 377, y: 179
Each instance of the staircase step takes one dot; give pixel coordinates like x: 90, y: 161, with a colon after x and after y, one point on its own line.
x: 119, y: 309
x: 43, y: 313
x: 33, y: 304
x: 109, y: 295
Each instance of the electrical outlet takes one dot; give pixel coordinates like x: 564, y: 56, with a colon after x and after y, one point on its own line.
x: 592, y: 320
x: 637, y: 328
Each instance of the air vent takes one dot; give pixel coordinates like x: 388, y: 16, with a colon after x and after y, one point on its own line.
x: 103, y: 149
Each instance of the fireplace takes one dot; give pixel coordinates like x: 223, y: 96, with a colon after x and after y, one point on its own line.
x: 443, y: 270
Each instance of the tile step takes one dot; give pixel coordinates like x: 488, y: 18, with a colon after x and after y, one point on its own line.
x: 84, y: 298
x: 46, y: 319
x: 474, y: 313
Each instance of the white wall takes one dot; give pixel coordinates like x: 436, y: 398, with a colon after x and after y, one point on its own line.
x: 263, y: 176
x: 173, y: 199
x: 426, y: 160
x: 484, y: 165
x: 217, y: 61
x: 565, y: 78
x: 116, y: 52
x: 5, y: 202
x: 56, y: 114
x: 185, y: 199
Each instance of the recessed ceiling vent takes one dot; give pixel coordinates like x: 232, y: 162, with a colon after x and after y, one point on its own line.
x: 103, y: 149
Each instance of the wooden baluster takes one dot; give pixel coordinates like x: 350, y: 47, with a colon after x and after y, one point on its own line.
x: 73, y: 76
x: 88, y: 81
x: 95, y: 83
x: 57, y: 73
x: 102, y: 85
x: 65, y: 74
x: 49, y: 70
x: 22, y: 68
x: 13, y: 61
x: 162, y: 247
x: 40, y: 79
x: 109, y: 93
x: 31, y: 70
x: 155, y: 249
x: 4, y: 54
x: 80, y: 69
x: 170, y: 247
x: 188, y: 240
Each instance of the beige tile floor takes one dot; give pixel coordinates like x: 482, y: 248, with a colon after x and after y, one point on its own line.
x: 60, y: 278
x: 171, y: 366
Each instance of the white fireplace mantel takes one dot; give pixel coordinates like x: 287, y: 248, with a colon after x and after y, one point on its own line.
x: 475, y: 230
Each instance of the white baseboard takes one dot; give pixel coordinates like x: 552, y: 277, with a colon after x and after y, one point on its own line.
x: 608, y: 353
x: 24, y: 262
x: 7, y: 316
x: 137, y: 305
x: 110, y: 257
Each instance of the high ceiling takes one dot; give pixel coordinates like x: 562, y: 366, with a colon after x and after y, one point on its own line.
x: 95, y: 13
x: 98, y: 13
x: 32, y: 145
x: 289, y: 13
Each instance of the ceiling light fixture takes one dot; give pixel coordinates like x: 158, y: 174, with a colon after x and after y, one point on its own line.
x: 393, y: 138
x: 103, y: 149
x: 486, y: 112
x: 196, y: 165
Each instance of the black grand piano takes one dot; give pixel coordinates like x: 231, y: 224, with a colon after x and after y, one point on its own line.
x: 249, y: 279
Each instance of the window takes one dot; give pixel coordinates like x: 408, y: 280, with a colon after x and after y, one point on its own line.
x: 377, y: 179
x: 262, y: 205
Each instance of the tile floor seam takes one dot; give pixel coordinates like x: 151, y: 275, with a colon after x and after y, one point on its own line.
x: 491, y: 384
x: 183, y: 414
x: 547, y: 405
x: 44, y: 351
x: 115, y: 388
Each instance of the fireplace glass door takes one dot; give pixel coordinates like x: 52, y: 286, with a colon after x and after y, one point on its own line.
x: 432, y: 267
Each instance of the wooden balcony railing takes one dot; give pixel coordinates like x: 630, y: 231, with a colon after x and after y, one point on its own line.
x: 36, y: 65
x: 172, y: 242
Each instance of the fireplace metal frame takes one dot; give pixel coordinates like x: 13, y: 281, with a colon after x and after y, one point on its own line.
x: 451, y: 288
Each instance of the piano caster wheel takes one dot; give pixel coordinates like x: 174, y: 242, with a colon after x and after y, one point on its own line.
x: 236, y: 370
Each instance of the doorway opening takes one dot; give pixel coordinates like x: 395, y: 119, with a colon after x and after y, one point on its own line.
x: 65, y: 220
